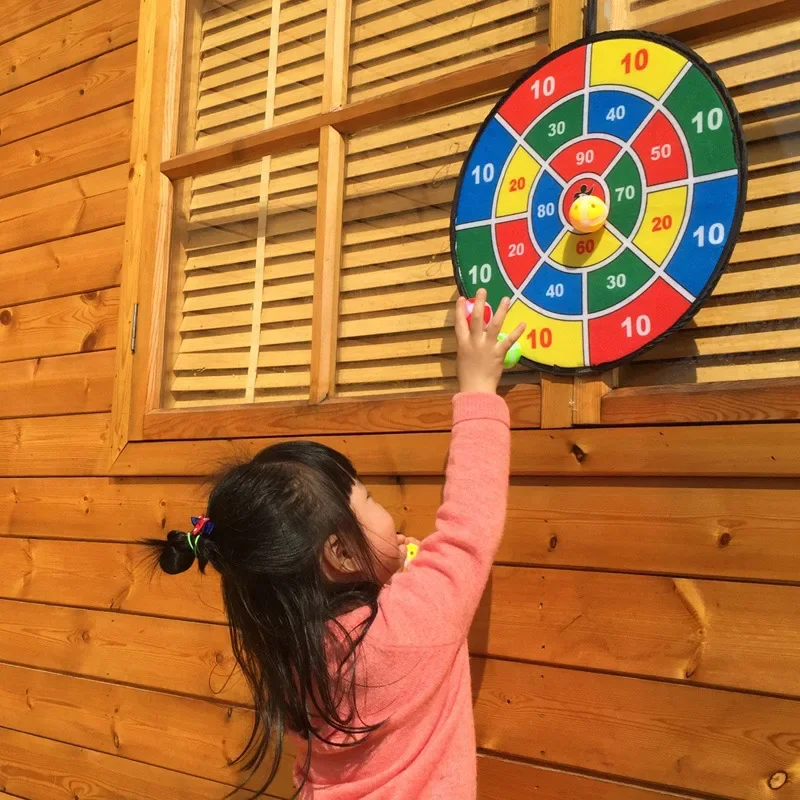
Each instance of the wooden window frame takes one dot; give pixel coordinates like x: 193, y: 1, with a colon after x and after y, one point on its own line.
x: 556, y: 403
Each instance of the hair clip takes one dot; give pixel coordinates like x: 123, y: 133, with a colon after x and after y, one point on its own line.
x: 202, y: 525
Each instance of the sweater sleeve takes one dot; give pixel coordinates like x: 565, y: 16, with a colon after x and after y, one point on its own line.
x: 434, y: 601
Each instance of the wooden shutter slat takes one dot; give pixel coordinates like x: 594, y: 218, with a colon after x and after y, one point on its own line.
x: 424, y: 344
x: 736, y: 343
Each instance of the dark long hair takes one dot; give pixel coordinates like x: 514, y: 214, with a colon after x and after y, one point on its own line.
x: 272, y: 517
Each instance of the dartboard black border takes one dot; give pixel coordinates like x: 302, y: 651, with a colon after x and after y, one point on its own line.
x: 740, y: 152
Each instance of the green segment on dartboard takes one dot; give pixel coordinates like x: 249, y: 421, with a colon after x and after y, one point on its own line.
x: 562, y: 124
x: 705, y: 121
x: 617, y: 281
x: 477, y: 265
x: 624, y: 195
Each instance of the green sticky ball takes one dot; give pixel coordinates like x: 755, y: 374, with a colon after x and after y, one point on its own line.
x: 513, y: 355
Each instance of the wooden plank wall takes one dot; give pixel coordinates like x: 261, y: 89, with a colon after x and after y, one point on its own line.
x: 638, y: 636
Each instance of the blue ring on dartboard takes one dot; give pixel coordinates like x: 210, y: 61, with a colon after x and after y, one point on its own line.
x: 640, y: 121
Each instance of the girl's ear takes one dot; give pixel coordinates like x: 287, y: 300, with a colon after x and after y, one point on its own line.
x: 337, y: 559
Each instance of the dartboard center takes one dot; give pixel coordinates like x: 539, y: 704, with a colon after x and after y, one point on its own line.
x: 584, y: 204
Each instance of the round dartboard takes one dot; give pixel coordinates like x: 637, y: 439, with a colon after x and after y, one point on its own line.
x: 644, y: 126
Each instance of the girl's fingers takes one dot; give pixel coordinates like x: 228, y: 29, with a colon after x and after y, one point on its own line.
x: 476, y: 322
x: 496, y: 325
x: 462, y: 329
x: 512, y: 338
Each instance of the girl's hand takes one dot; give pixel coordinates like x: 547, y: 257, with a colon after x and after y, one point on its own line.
x: 479, y: 363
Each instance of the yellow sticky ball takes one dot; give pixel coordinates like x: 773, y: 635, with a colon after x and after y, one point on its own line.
x: 588, y: 214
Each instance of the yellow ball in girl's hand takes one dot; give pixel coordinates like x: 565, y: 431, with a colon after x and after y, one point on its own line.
x: 588, y: 213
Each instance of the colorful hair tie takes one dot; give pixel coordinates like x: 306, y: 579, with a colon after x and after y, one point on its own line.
x: 192, y: 539
x: 202, y: 525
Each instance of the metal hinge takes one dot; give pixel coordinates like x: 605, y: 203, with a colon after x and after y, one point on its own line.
x: 134, y: 326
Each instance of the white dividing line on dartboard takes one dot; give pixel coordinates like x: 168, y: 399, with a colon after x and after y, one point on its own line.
x: 587, y: 79
x: 728, y: 173
x: 543, y: 165
x: 657, y: 106
x: 545, y: 259
x: 585, y: 316
x: 659, y: 270
x: 491, y: 221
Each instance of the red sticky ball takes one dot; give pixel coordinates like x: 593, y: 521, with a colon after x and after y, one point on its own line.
x: 487, y: 311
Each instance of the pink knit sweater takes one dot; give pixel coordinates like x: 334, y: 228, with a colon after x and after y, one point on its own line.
x: 414, y: 660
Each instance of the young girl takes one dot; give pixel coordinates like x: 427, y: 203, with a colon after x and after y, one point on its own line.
x: 364, y: 662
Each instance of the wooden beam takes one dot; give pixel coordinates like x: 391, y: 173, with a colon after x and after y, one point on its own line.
x: 526, y: 614
x: 386, y: 108
x: 722, y: 451
x: 76, y: 445
x: 146, y: 250
x: 370, y: 415
x: 132, y: 723
x: 87, y: 32
x: 737, y: 401
x: 71, y: 266
x: 54, y: 155
x: 191, y: 659
x: 682, y: 15
x: 80, y: 91
x: 625, y: 728
x: 76, y: 384
x: 327, y: 265
x: 502, y: 778
x: 715, y: 528
x: 100, y: 509
x: 41, y: 767
x: 64, y: 325
x: 330, y: 202
x: 589, y: 392
x: 699, y: 631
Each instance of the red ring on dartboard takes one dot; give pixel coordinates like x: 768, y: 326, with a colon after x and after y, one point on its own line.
x: 641, y: 122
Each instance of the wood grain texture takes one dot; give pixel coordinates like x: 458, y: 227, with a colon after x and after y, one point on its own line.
x: 736, y: 401
x: 79, y: 147
x: 186, y: 658
x: 76, y: 445
x: 77, y: 384
x: 21, y: 16
x: 74, y: 324
x: 725, y: 744
x: 499, y: 779
x: 80, y: 91
x: 76, y: 206
x: 717, y: 633
x: 49, y: 770
x: 102, y: 509
x: 732, y: 529
x: 119, y: 577
x: 131, y: 723
x: 724, y: 450
x: 85, y: 33
x: 393, y: 414
x: 65, y: 267
x: 149, y: 217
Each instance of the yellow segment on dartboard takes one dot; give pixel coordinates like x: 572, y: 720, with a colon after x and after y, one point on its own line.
x: 661, y: 224
x: 638, y: 63
x: 585, y: 250
x: 547, y: 340
x: 515, y: 188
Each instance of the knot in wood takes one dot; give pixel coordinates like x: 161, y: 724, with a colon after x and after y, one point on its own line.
x: 6, y: 316
x: 578, y: 452
x: 553, y: 542
x: 778, y: 780
x: 725, y: 539
x: 89, y: 342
